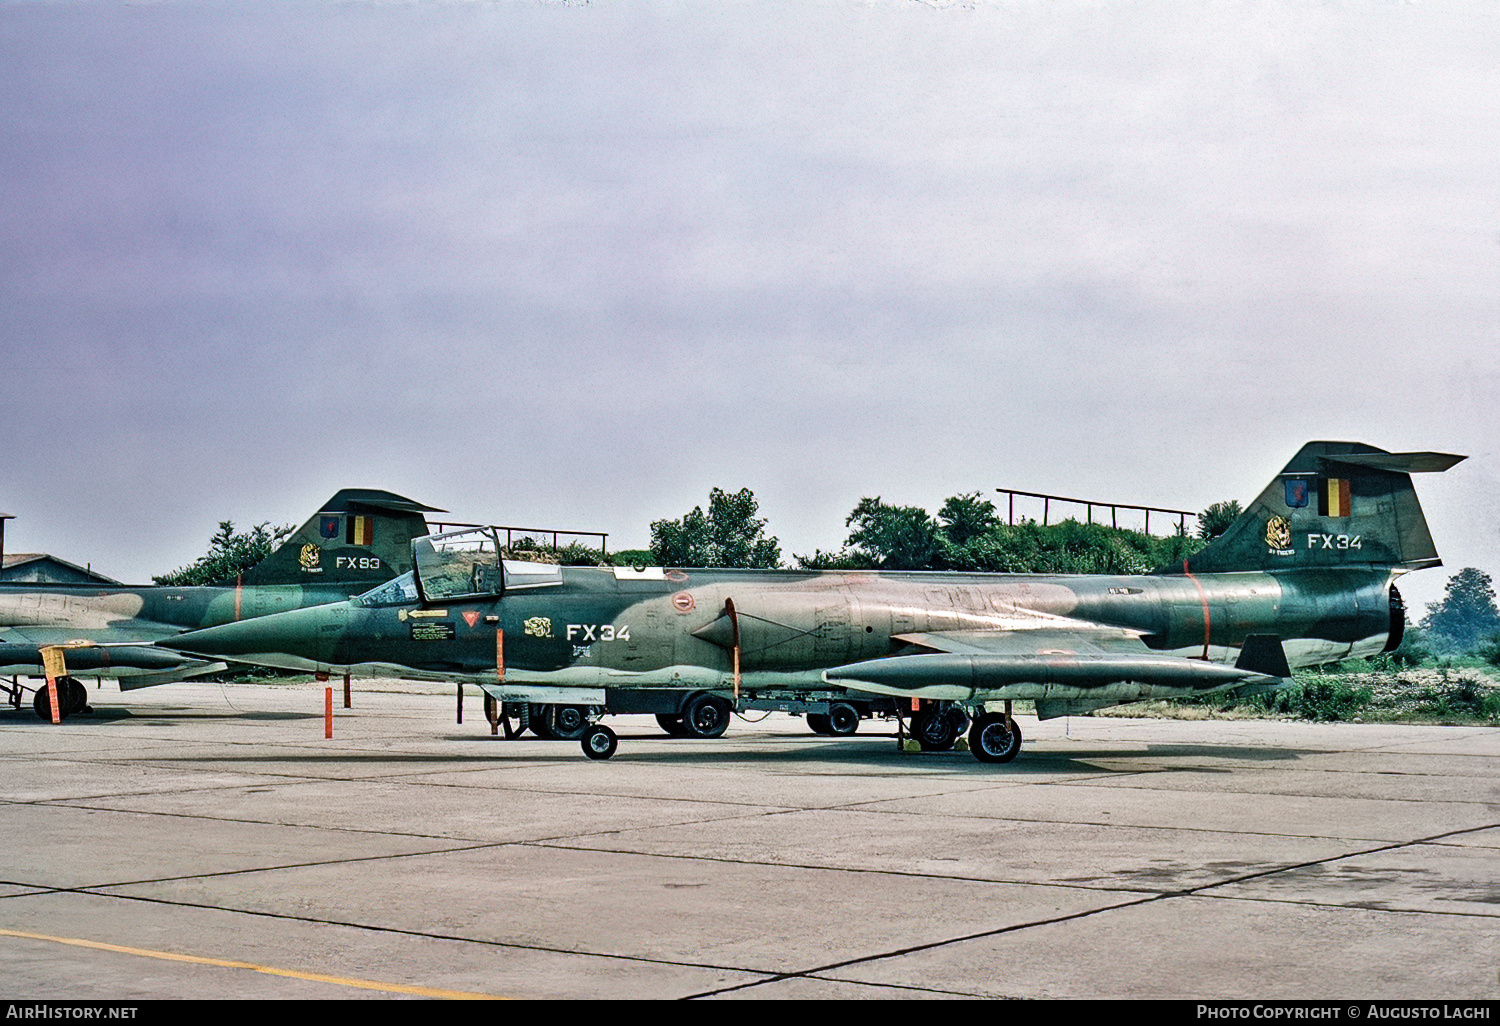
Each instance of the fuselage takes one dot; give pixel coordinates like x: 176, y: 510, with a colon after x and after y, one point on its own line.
x: 93, y: 606
x: 119, y: 623
x: 593, y: 627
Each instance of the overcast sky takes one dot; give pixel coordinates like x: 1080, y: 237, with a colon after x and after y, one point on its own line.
x: 574, y: 264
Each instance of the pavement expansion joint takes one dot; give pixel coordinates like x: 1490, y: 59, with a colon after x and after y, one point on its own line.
x: 423, y: 934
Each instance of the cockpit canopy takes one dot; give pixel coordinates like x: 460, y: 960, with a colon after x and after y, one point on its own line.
x: 466, y: 564
x: 399, y: 592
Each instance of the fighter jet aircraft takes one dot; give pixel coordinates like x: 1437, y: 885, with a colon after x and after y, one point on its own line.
x: 360, y: 537
x: 1304, y: 576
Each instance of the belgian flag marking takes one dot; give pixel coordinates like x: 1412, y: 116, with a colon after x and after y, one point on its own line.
x: 1335, y: 498
x: 361, y: 531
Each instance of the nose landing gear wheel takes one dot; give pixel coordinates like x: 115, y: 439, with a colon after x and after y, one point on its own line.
x: 937, y: 729
x: 994, y: 738
x: 599, y: 742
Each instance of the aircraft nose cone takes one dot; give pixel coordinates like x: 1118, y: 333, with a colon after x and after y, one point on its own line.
x: 310, y: 634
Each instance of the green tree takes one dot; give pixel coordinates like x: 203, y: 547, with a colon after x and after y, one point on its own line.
x: 1215, y: 520
x: 1413, y: 650
x: 1467, y: 615
x: 729, y: 535
x: 229, y: 553
x: 969, y: 536
x: 840, y: 560
x: 967, y: 517
x: 892, y: 537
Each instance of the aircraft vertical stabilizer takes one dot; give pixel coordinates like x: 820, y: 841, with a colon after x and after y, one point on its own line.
x: 1337, y: 504
x: 360, y: 535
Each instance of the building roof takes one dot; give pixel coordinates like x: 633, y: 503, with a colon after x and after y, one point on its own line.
x: 17, y: 559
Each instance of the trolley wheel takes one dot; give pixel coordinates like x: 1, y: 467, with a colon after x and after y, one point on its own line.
x: 570, y: 721
x: 843, y: 719
x: 599, y: 742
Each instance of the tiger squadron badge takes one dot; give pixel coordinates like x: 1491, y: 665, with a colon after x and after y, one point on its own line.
x: 1279, y: 536
x: 539, y: 627
x: 311, y: 559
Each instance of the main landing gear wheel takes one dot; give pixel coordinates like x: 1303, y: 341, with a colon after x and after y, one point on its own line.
x: 570, y: 721
x: 994, y: 738
x: 537, y: 721
x: 843, y: 719
x: 599, y: 742
x: 559, y: 722
x: 705, y: 716
x: 671, y: 724
x: 72, y: 697
x: 937, y: 729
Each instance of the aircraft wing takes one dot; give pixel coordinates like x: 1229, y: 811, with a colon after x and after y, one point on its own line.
x: 988, y: 665
x: 1071, y: 639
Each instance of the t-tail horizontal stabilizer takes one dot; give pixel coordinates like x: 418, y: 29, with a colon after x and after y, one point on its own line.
x: 361, y: 535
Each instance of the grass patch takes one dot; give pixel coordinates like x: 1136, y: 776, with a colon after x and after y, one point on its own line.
x: 1353, y: 692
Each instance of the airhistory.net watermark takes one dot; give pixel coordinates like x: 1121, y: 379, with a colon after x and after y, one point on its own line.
x: 43, y: 1010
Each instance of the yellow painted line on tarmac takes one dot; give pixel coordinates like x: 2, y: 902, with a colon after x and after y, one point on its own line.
x: 389, y: 988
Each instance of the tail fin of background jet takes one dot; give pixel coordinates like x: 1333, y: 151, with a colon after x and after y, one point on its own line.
x: 1337, y: 504
x: 360, y: 535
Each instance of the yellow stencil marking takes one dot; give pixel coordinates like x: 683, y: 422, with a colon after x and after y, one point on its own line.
x: 390, y: 988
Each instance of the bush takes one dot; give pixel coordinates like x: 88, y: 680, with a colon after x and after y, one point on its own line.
x: 1318, y: 698
x: 1489, y: 650
x: 1414, y: 650
x: 1460, y: 697
x: 632, y: 557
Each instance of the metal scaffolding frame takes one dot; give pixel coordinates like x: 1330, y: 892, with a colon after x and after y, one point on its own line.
x: 1113, y: 507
